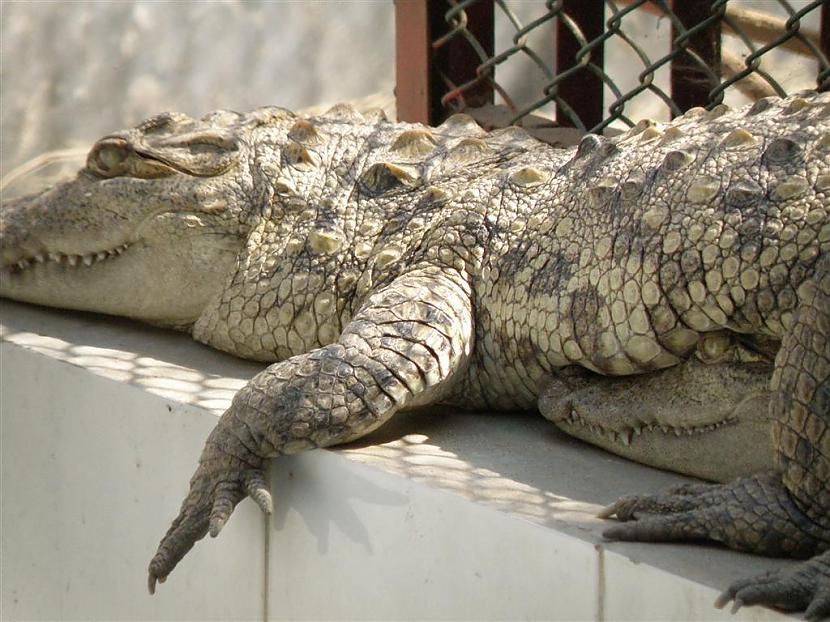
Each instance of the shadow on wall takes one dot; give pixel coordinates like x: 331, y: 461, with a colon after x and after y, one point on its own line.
x: 427, y: 446
x: 416, y: 457
x: 167, y: 364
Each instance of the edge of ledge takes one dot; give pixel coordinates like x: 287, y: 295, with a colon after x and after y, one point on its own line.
x: 550, y: 482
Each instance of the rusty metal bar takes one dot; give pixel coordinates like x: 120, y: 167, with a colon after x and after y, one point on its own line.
x: 824, y: 80
x: 455, y: 61
x: 583, y: 91
x: 412, y: 61
x: 825, y: 29
x: 691, y: 83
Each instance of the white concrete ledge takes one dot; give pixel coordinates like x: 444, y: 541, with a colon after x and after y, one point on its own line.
x: 432, y: 517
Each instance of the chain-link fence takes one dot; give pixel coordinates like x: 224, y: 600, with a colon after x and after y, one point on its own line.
x: 597, y: 63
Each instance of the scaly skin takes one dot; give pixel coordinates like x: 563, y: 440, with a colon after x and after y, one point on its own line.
x: 383, y: 266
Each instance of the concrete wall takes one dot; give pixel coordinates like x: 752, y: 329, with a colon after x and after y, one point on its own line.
x: 437, y: 515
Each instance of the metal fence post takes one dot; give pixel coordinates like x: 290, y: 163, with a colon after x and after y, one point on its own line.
x: 824, y: 76
x: 691, y: 82
x: 584, y: 90
x: 412, y: 56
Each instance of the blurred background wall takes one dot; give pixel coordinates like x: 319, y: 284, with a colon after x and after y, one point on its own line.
x: 72, y: 71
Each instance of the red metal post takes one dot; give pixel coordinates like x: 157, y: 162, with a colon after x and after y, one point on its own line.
x: 412, y: 61
x: 824, y: 81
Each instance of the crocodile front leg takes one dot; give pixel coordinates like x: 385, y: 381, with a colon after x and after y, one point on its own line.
x: 406, y: 344
x: 785, y: 512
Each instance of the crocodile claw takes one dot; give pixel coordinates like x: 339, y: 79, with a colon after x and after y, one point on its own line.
x: 216, y: 488
x: 805, y: 586
x: 753, y: 514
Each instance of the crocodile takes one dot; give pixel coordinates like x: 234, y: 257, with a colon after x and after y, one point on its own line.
x: 663, y: 293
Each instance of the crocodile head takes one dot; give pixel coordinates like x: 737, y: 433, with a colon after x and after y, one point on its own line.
x: 150, y: 228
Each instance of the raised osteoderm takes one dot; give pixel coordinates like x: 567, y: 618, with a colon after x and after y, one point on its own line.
x: 664, y: 294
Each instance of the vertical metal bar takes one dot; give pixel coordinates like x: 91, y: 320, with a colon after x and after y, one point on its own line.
x: 455, y: 62
x: 412, y: 61
x: 583, y: 91
x: 824, y: 83
x: 690, y: 84
x: 825, y: 29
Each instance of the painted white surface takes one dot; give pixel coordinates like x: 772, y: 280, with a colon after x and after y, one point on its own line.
x: 636, y: 591
x: 386, y: 548
x: 432, y: 517
x: 87, y: 464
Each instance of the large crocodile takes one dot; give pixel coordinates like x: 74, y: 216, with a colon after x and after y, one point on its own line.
x: 645, y: 287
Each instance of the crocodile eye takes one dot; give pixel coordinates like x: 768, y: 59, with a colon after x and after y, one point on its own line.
x: 110, y: 157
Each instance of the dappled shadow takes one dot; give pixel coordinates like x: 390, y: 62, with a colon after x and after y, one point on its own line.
x: 516, y: 463
x: 164, y: 363
x: 523, y: 465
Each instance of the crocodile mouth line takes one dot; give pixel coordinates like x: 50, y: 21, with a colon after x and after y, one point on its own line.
x: 71, y: 260
x: 627, y: 434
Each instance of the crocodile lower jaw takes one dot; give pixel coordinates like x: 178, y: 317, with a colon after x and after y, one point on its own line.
x: 627, y: 434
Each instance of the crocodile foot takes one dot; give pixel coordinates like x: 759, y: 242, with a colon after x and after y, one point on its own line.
x: 754, y: 514
x: 805, y: 586
x: 220, y: 482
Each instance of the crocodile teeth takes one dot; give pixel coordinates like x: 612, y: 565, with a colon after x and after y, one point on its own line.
x: 72, y: 260
x: 625, y: 437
